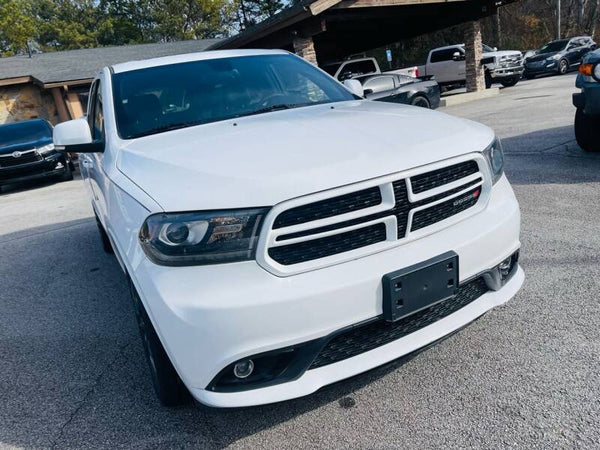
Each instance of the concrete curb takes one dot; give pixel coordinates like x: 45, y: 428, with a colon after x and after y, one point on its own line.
x: 468, y: 97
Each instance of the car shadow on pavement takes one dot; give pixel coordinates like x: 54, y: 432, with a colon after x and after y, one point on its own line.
x: 22, y: 186
x: 73, y: 371
x: 549, y: 156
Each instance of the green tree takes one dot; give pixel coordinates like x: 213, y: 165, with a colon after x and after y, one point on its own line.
x: 175, y: 20
x: 17, y: 26
x: 251, y: 12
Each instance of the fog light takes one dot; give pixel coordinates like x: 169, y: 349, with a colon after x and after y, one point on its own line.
x: 505, y: 266
x: 244, y: 368
x: 59, y: 166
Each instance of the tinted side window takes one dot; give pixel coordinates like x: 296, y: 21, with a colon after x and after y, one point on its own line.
x: 443, y: 55
x: 380, y: 84
x: 360, y: 67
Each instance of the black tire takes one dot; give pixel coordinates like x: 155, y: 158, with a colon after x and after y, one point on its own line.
x: 68, y: 175
x: 587, y: 131
x: 510, y: 82
x: 106, y: 245
x: 488, y: 80
x: 169, y: 388
x: 563, y: 67
x: 420, y: 101
x: 529, y: 77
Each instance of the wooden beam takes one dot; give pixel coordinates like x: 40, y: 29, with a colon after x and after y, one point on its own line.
x: 74, y: 105
x: 319, y: 6
x: 67, y: 83
x: 63, y: 115
x: 379, y: 3
x: 16, y: 80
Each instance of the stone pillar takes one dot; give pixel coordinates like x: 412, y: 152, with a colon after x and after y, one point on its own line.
x: 305, y: 47
x: 474, y: 54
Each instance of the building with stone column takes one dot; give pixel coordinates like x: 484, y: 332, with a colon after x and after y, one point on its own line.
x: 54, y: 86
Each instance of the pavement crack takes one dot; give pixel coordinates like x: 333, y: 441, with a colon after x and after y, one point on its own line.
x: 88, y: 394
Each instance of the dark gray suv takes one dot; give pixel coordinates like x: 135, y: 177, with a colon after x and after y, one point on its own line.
x: 558, y: 56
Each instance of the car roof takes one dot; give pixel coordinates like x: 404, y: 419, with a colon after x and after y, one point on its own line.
x: 190, y: 57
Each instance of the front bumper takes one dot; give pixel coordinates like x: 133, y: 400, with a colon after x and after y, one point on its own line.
x: 507, y: 72
x: 210, y: 316
x: 546, y: 67
x: 53, y: 165
x: 588, y: 99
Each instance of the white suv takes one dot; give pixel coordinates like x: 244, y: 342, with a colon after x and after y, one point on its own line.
x: 281, y: 233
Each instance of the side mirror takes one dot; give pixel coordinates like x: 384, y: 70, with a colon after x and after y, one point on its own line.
x: 355, y: 87
x: 456, y: 56
x: 74, y: 136
x: 368, y: 91
x: 495, y: 49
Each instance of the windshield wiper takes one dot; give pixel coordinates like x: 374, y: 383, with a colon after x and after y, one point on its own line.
x: 170, y: 127
x: 277, y: 107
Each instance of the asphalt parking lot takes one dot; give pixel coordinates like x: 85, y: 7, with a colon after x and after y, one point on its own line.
x: 73, y: 374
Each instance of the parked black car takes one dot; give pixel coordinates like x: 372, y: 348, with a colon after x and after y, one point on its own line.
x: 27, y: 153
x: 396, y: 88
x: 558, y: 56
x: 587, y: 102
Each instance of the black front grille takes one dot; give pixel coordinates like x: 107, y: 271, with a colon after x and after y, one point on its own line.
x: 444, y: 210
x: 327, y: 246
x: 26, y: 158
x: 347, y: 241
x: 440, y: 177
x: 328, y: 208
x: 363, y: 338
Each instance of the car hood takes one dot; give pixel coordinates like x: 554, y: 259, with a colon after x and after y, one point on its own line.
x: 501, y: 53
x: 541, y: 56
x: 22, y: 146
x: 264, y: 159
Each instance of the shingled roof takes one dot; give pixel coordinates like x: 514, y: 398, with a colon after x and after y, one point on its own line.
x: 72, y: 66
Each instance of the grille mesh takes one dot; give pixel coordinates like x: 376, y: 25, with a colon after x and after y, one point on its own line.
x: 328, y: 208
x: 10, y: 161
x: 363, y: 338
x: 440, y: 177
x: 327, y: 246
x: 444, y: 210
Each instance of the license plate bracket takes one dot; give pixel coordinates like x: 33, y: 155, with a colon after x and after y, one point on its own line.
x: 414, y: 288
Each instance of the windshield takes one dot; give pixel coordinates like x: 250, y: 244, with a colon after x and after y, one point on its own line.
x: 24, y: 132
x: 553, y: 47
x: 487, y: 49
x: 163, y: 98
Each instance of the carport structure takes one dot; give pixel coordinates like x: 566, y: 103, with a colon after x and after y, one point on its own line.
x: 328, y: 30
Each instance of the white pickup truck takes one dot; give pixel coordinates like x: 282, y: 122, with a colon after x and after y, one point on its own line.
x: 447, y: 65
x: 281, y: 233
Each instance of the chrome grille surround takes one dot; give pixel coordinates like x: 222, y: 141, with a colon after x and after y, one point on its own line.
x: 382, y: 213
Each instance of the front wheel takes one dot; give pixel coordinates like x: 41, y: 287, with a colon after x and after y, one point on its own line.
x: 563, y: 67
x: 68, y: 174
x: 169, y: 388
x: 510, y: 82
x: 421, y: 102
x: 587, y: 131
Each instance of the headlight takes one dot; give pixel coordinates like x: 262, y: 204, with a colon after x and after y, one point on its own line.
x: 46, y: 149
x: 495, y: 158
x: 187, y: 239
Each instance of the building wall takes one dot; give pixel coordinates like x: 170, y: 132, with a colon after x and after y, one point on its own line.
x: 26, y: 101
